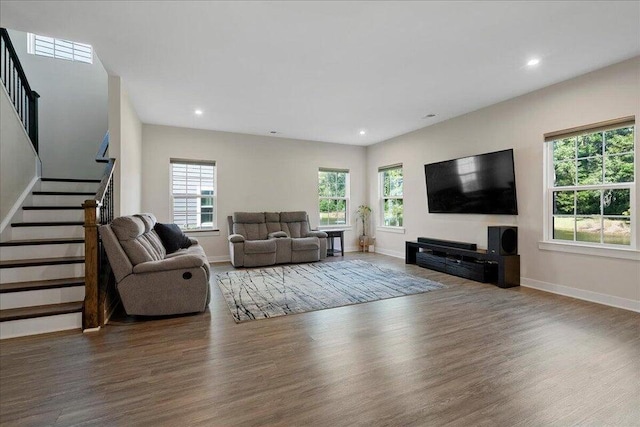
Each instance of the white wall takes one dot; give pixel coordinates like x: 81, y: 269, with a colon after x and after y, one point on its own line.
x: 125, y: 145
x: 518, y: 123
x: 255, y: 174
x: 72, y: 111
x: 18, y: 159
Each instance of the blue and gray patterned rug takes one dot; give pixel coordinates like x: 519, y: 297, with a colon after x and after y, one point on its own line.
x: 277, y: 291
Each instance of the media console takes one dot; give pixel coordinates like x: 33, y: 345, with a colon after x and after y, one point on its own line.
x: 478, y: 265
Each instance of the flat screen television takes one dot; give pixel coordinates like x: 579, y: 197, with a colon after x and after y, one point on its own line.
x: 482, y: 184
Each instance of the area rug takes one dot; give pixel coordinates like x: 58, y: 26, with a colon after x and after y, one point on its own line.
x: 277, y: 291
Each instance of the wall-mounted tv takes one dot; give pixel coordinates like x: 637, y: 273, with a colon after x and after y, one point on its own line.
x: 482, y: 184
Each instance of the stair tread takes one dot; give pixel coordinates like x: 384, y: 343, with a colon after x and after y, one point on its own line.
x: 41, y: 284
x: 56, y: 208
x: 46, y: 223
x: 69, y: 180
x: 28, y: 242
x: 40, y: 311
x: 64, y: 193
x: 34, y: 262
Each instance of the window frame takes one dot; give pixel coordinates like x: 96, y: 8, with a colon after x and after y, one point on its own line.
x: 211, y: 206
x: 382, y: 198
x: 32, y: 49
x: 199, y: 198
x: 346, y: 198
x: 599, y: 248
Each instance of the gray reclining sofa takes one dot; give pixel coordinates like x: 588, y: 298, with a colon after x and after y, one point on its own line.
x: 267, y: 238
x: 150, y: 281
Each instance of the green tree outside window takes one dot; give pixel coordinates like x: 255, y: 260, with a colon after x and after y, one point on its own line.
x: 333, y: 196
x: 392, y: 183
x: 593, y: 176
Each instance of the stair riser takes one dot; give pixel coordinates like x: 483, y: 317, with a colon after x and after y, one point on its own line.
x: 41, y: 272
x: 68, y: 186
x: 45, y: 232
x: 46, y: 200
x: 41, y: 297
x: 52, y: 215
x: 8, y: 253
x: 40, y: 325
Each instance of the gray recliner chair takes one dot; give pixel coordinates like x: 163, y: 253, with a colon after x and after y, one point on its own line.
x: 150, y: 282
x: 267, y: 238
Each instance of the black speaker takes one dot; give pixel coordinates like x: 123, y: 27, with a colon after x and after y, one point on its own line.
x: 503, y: 240
x: 448, y: 243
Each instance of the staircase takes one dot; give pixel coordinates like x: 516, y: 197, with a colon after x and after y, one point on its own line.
x: 42, y: 277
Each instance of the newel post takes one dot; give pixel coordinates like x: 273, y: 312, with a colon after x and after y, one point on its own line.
x: 90, y: 311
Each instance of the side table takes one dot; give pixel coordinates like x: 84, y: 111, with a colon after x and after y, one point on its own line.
x: 331, y: 235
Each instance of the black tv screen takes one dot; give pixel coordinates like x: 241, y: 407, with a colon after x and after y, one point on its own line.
x: 482, y: 184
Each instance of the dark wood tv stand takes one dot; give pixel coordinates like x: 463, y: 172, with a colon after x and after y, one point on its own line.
x: 501, y: 270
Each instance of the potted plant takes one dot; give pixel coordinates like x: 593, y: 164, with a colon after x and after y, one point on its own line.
x: 364, y: 213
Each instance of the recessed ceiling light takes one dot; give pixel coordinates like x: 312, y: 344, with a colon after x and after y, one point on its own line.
x: 198, y: 112
x: 533, y: 62
x: 362, y: 132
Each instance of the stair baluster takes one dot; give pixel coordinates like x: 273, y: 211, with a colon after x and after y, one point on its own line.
x: 25, y: 100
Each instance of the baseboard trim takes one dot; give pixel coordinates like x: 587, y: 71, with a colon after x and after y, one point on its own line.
x: 610, y: 300
x: 18, y: 204
x: 223, y: 258
x: 389, y: 252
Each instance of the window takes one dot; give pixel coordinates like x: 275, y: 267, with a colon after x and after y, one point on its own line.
x: 333, y: 195
x: 60, y: 49
x: 193, y: 193
x: 206, y: 208
x: 391, y: 195
x: 591, y: 184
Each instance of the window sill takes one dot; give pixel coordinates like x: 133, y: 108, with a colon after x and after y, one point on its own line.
x: 203, y: 232
x: 335, y: 227
x: 602, y: 251
x: 397, y: 230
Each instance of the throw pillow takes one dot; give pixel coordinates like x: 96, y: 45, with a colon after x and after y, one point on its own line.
x: 172, y: 237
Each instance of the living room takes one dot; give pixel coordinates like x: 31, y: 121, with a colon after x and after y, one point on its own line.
x: 561, y: 348
x: 517, y: 123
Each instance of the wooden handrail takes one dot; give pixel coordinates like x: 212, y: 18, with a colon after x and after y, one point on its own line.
x: 23, y: 98
x: 103, y: 156
x: 106, y: 179
x: 97, y: 211
x: 17, y: 64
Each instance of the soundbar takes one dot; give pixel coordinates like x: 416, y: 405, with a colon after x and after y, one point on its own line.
x: 449, y: 243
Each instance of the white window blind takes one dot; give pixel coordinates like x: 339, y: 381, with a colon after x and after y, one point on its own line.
x: 60, y: 49
x: 193, y: 191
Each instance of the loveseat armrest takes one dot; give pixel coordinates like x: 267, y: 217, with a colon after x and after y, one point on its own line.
x: 318, y: 234
x: 277, y: 234
x: 168, y: 264
x: 236, y: 238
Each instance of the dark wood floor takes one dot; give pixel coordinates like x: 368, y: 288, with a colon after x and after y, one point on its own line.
x: 471, y: 354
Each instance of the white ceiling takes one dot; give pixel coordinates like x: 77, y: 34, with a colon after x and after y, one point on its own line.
x: 326, y: 70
